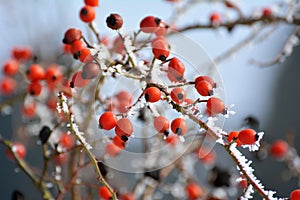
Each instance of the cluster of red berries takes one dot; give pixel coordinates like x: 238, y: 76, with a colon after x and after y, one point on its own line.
x: 243, y: 137
x: 87, y: 13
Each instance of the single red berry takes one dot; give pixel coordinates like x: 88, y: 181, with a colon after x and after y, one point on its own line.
x: 150, y: 24
x: 295, y: 195
x: 76, y: 46
x: 215, y: 106
x: 87, y: 14
x: 90, y: 70
x: 67, y: 140
x: 91, y: 2
x: 160, y: 49
x: 176, y: 70
x: 124, y: 128
x: 104, y: 193
x: 178, y: 95
x: 11, y: 67
x: 247, y: 136
x: 118, y: 142
x: 53, y: 74
x: 162, y: 125
x: 107, y: 121
x: 29, y: 110
x: 215, y: 18
x: 205, y: 78
x: 279, y: 148
x: 78, y: 81
x: 267, y: 12
x: 22, y: 53
x: 35, y: 88
x: 7, y: 85
x: 205, y: 155
x: 243, y: 183
x: 179, y: 126
x: 127, y: 196
x: 233, y: 136
x: 112, y: 150
x: 124, y: 96
x: 204, y: 88
x: 72, y: 35
x: 152, y: 94
x: 19, y: 149
x: 193, y: 191
x: 35, y: 72
x: 85, y: 55
x: 114, y: 21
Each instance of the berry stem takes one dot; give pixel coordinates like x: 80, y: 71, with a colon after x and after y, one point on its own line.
x: 92, y: 27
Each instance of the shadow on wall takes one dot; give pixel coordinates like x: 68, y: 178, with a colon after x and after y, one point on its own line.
x: 284, y: 119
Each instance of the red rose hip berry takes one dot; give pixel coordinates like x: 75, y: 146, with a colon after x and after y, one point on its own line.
x: 152, y: 94
x: 72, y: 35
x: 179, y: 126
x: 178, y: 95
x: 215, y: 106
x: 11, y: 67
x: 279, y: 148
x: 247, y: 136
x: 107, y: 121
x: 162, y: 125
x: 204, y: 88
x: 124, y: 128
x: 87, y: 14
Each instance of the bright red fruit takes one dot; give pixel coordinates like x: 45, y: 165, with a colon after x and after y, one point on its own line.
x: 152, y: 94
x: 118, y: 142
x: 247, y: 136
x: 76, y: 46
x: 178, y: 95
x: 162, y: 124
x: 205, y: 78
x: 11, y: 67
x: 215, y: 18
x: 193, y: 191
x: 35, y: 88
x: 267, y: 12
x: 87, y: 14
x: 124, y: 128
x: 53, y: 74
x: 72, y: 35
x: 35, y: 72
x: 179, y: 126
x: 150, y: 24
x: 7, y: 85
x: 107, y: 121
x: 233, y: 136
x: 160, y: 49
x: 29, y: 110
x: 85, y: 55
x: 295, y: 195
x: 67, y: 140
x: 204, y: 88
x: 215, y: 106
x: 176, y: 70
x: 279, y: 148
x: 104, y: 193
x: 22, y: 53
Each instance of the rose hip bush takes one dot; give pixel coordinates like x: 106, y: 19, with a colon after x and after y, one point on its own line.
x: 134, y: 102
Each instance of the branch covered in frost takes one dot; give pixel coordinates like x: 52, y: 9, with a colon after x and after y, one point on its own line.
x: 64, y: 107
